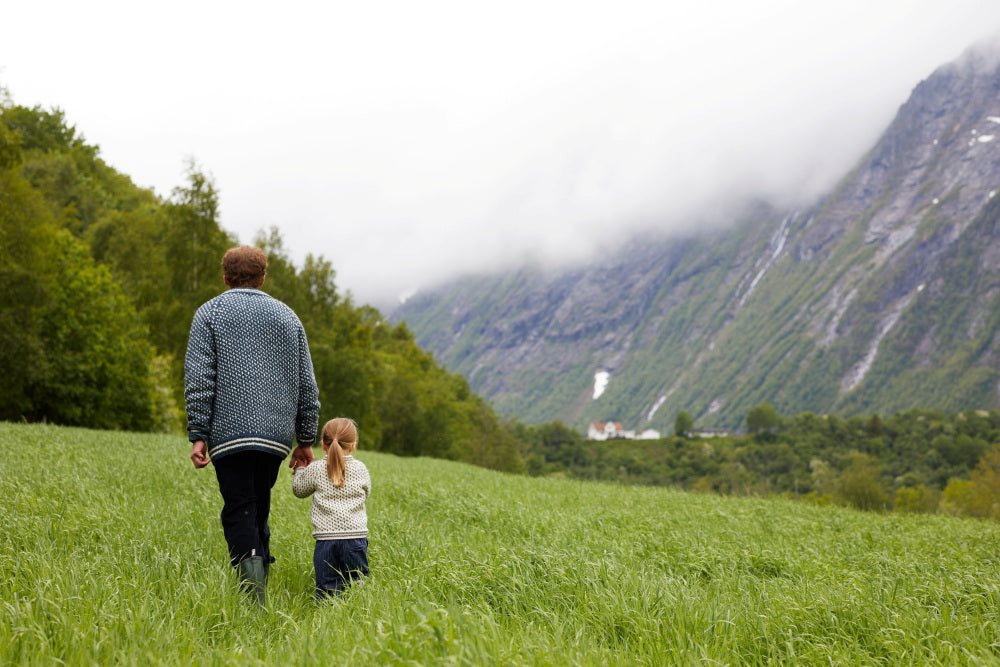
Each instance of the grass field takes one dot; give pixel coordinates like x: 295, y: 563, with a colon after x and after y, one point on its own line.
x: 111, y: 552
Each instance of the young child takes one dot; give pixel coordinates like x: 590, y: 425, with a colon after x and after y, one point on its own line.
x: 339, y: 485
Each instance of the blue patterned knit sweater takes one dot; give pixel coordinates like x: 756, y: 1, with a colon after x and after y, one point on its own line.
x: 248, y: 376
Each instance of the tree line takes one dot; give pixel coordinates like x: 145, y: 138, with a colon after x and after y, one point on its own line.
x: 99, y: 281
x: 914, y: 461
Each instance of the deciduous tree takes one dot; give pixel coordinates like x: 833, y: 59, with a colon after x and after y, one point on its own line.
x: 763, y: 419
x: 683, y: 423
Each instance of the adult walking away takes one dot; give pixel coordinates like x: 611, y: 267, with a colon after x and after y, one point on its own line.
x: 251, y: 396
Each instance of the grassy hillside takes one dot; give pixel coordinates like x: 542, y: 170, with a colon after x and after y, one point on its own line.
x: 111, y: 552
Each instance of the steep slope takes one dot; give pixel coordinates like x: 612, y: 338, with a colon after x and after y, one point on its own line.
x: 881, y: 297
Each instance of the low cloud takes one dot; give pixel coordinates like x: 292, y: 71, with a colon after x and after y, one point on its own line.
x: 410, y: 142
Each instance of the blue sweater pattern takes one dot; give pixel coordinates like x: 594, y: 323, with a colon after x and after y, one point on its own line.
x: 248, y: 376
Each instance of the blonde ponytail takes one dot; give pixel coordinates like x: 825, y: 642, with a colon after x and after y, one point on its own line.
x: 340, y: 438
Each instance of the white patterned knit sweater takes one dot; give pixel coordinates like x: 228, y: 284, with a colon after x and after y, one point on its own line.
x: 338, y: 512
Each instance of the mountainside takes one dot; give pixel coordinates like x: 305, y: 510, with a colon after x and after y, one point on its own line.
x: 882, y: 296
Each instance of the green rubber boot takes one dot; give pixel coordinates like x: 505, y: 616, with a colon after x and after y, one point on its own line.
x: 253, y: 578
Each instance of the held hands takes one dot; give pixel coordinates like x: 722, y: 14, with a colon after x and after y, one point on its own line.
x: 199, y: 454
x: 301, y: 456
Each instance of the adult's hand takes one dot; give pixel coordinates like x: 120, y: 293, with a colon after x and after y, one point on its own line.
x: 199, y: 454
x: 301, y: 456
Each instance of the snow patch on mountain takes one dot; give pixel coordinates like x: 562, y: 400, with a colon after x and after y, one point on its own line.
x: 601, y: 379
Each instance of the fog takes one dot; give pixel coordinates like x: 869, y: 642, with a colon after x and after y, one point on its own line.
x: 411, y: 142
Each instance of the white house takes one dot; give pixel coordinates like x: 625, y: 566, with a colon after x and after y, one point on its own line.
x: 606, y: 431
x: 615, y: 431
x: 708, y: 432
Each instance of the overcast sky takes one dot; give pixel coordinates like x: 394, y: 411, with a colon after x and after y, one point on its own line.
x: 410, y: 141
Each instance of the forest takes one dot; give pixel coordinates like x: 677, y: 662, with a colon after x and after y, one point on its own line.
x: 99, y: 281
x: 916, y: 461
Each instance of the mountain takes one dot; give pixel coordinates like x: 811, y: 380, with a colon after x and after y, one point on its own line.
x: 882, y: 296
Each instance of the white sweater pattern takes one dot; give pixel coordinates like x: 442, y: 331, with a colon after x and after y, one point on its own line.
x: 338, y: 512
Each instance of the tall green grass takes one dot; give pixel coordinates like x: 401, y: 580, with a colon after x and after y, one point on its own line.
x: 111, y: 552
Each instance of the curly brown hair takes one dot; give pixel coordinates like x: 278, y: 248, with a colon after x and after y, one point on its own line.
x: 244, y: 266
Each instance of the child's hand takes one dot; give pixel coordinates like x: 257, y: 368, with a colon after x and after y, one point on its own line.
x: 301, y: 456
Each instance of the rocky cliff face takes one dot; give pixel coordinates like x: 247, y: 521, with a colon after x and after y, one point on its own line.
x: 880, y: 297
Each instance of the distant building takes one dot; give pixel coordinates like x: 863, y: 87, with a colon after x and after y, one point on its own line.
x: 708, y: 432
x: 606, y: 431
x: 615, y: 431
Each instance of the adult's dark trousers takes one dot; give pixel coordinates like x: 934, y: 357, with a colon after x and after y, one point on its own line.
x: 245, y: 482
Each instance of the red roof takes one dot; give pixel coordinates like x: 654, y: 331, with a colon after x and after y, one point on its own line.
x: 600, y: 426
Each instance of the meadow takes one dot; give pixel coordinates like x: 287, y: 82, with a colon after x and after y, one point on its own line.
x: 111, y: 552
